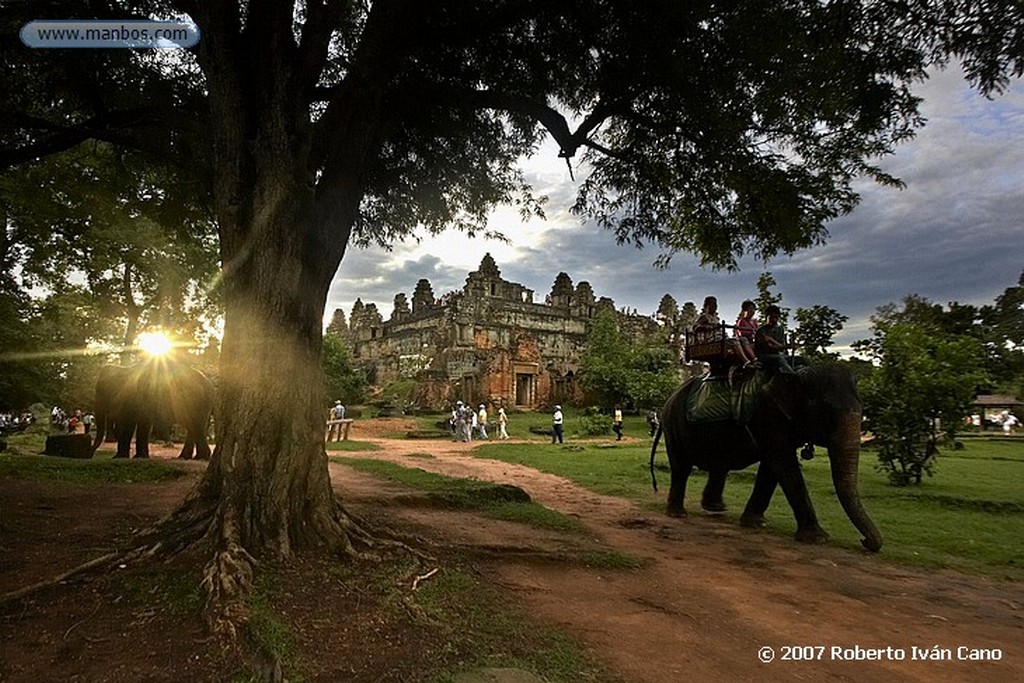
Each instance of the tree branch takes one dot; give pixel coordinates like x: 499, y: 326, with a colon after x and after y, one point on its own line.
x: 322, y: 18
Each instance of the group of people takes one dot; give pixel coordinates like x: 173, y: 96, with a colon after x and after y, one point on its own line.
x: 465, y: 422
x: 14, y: 421
x: 1004, y: 420
x: 756, y: 345
x: 71, y: 422
x: 652, y: 422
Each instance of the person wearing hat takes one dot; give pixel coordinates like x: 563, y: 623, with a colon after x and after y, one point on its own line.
x: 336, y: 413
x: 482, y: 421
x: 462, y: 423
x: 502, y: 423
x: 556, y: 425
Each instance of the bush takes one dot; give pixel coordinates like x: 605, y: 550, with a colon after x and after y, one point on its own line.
x: 593, y: 423
x: 398, y: 393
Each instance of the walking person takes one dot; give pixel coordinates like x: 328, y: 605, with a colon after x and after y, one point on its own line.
x: 652, y: 422
x: 460, y: 421
x: 556, y: 425
x: 482, y: 422
x: 502, y: 424
x: 617, y: 422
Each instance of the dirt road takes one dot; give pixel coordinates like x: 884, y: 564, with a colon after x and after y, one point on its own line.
x: 717, y: 599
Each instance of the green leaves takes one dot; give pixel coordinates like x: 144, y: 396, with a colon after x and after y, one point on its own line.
x: 343, y: 381
x: 620, y: 369
x: 921, y: 389
x: 817, y: 326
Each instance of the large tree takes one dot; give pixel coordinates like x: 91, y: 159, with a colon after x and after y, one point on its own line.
x: 1003, y: 323
x: 721, y: 128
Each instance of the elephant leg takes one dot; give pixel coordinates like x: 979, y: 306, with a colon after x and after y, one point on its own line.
x: 787, y: 469
x: 675, y: 506
x: 125, y: 430
x: 196, y: 445
x: 760, y: 497
x: 711, y: 500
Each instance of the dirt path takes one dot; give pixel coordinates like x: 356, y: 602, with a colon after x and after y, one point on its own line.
x: 714, y: 594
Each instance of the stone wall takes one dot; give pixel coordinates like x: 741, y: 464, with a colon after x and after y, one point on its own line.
x: 489, y: 342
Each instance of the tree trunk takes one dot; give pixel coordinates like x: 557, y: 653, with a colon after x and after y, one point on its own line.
x: 131, y: 311
x: 266, y: 492
x: 284, y: 219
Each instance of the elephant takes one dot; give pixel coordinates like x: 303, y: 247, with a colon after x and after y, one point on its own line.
x: 130, y: 399
x: 817, y: 405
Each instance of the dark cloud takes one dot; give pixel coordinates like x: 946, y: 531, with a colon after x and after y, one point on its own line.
x: 955, y: 233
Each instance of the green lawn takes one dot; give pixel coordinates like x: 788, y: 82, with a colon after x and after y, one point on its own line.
x: 969, y: 516
x: 492, y: 500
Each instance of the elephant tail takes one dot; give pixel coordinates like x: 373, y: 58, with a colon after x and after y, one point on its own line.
x: 654, y: 449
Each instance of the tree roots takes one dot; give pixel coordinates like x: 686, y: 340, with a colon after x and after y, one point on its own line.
x: 206, y: 525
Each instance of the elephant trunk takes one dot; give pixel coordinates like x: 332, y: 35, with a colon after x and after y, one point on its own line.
x: 844, y: 457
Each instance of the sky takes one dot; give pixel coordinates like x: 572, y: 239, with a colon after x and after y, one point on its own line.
x: 955, y: 233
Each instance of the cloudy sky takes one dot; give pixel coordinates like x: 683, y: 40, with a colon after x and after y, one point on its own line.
x: 955, y: 233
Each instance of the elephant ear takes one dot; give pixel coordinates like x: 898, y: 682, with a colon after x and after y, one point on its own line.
x: 786, y: 392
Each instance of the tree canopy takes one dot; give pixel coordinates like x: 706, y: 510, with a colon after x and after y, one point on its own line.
x: 921, y: 390
x: 997, y: 327
x: 714, y: 128
x: 616, y: 368
x: 816, y: 326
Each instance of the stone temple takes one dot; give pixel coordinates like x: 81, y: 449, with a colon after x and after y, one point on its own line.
x: 488, y: 342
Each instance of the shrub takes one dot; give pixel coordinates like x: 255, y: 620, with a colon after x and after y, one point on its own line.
x: 593, y: 423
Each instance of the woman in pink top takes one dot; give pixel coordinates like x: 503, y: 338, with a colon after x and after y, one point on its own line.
x: 746, y: 326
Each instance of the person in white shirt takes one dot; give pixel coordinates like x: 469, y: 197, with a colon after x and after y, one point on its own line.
x: 482, y: 421
x: 502, y: 423
x: 556, y: 425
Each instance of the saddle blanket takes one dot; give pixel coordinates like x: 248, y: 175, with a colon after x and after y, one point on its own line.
x: 714, y: 400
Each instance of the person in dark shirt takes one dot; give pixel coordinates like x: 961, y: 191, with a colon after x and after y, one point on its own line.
x: 770, y: 343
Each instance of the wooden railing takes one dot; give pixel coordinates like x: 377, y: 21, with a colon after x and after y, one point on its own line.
x: 710, y: 344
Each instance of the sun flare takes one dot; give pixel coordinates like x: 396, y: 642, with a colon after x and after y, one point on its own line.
x: 155, y: 343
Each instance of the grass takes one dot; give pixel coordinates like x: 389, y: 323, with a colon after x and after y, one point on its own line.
x: 97, y: 470
x: 491, y: 634
x: 615, y: 469
x: 475, y: 625
x: 351, y: 446
x: 272, y: 634
x: 175, y: 591
x: 496, y: 501
x: 969, y: 516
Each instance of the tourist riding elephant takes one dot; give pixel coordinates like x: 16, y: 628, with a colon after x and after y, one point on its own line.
x: 130, y: 399
x: 818, y: 405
